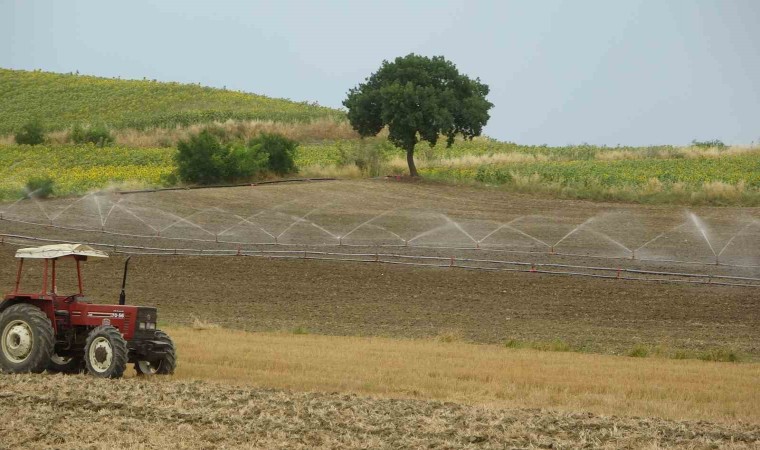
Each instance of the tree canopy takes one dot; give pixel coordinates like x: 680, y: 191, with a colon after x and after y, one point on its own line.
x: 418, y: 98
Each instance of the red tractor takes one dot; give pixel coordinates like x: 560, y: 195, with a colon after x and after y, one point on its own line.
x: 45, y: 330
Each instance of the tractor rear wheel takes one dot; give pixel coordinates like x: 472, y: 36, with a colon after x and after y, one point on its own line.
x: 164, y: 366
x: 64, y: 364
x: 26, y: 339
x: 105, y: 353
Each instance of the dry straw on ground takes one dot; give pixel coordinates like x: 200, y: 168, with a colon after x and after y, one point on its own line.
x: 450, y: 370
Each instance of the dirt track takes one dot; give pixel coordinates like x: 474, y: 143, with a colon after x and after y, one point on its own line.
x: 364, y: 299
x: 79, y: 412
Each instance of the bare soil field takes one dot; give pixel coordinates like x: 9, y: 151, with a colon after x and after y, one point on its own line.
x: 47, y: 411
x: 341, y: 298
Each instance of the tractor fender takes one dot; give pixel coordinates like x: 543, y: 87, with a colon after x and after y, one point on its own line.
x: 45, y: 305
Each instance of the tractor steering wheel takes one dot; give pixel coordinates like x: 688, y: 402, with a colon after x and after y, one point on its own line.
x: 70, y: 298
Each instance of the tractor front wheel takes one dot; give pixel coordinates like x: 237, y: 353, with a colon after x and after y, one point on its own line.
x: 26, y: 339
x: 164, y: 366
x: 105, y: 353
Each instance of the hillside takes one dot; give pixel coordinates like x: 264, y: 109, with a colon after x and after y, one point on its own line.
x: 148, y: 119
x: 60, y: 100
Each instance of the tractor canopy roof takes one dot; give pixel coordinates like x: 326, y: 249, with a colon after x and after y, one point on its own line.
x: 59, y: 251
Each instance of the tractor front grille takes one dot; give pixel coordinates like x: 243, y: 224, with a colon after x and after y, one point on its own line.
x: 145, y: 315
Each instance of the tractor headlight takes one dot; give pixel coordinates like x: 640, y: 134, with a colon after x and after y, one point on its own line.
x: 142, y: 325
x: 151, y: 326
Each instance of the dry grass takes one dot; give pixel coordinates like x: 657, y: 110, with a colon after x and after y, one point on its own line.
x: 398, y: 164
x: 476, y: 374
x: 316, y: 130
x: 720, y: 191
x: 343, y: 172
x: 678, y: 152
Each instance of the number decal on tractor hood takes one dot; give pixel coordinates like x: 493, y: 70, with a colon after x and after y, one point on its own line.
x: 113, y: 315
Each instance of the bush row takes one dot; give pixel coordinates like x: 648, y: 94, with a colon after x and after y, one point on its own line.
x: 206, y: 159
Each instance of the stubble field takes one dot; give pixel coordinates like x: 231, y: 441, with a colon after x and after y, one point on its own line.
x: 78, y: 412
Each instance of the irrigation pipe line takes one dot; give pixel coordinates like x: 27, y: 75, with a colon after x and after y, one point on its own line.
x: 241, y: 252
x: 341, y: 244
x: 409, y: 260
x: 218, y: 186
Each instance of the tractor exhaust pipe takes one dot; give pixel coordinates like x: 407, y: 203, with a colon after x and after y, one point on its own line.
x: 123, y: 295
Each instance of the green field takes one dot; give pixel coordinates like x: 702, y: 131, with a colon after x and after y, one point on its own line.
x: 143, y: 153
x: 60, y: 100
x: 79, y: 169
x: 731, y: 178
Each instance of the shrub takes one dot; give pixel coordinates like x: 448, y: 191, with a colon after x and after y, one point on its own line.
x: 204, y: 159
x: 368, y: 156
x: 40, y: 186
x: 245, y: 161
x: 513, y: 343
x: 281, y: 152
x: 720, y: 355
x: 31, y: 133
x: 708, y: 144
x: 97, y: 134
x: 300, y: 330
x: 639, y: 351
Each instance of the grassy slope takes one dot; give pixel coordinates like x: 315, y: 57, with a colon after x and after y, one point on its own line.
x: 60, y: 100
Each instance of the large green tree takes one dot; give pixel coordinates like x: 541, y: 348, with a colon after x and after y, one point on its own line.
x: 418, y: 98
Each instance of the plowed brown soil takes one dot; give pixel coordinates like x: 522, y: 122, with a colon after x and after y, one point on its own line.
x: 364, y: 299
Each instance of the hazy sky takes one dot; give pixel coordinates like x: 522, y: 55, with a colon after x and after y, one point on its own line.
x: 561, y: 72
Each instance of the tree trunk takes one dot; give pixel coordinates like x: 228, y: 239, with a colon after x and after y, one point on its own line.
x: 410, y: 161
